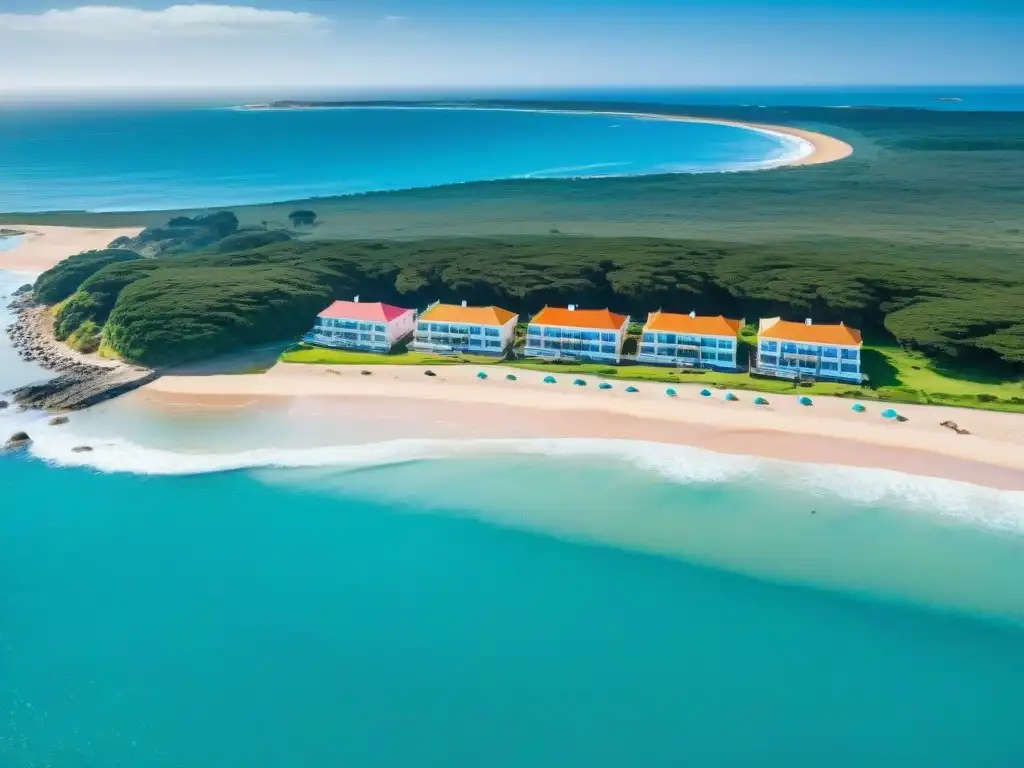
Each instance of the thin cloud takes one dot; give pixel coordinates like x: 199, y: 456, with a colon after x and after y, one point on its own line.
x: 200, y: 20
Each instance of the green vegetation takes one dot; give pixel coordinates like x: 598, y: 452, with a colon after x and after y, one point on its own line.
x: 303, y: 353
x: 63, y: 279
x: 303, y: 218
x: 86, y: 338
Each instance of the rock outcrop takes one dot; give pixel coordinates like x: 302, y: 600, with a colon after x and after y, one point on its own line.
x: 17, y: 440
x: 56, y: 421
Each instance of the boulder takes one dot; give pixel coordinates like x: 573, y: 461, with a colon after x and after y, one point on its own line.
x: 17, y: 440
x: 81, y: 449
x: 56, y: 421
x: 3, y: 404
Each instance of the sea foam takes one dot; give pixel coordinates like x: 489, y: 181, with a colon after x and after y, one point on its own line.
x: 681, y: 465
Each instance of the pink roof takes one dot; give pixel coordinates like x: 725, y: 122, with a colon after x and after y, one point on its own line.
x: 372, y: 311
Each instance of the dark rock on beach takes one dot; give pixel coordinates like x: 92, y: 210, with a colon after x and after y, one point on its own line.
x: 56, y: 421
x: 81, y: 449
x: 17, y: 440
x: 3, y: 404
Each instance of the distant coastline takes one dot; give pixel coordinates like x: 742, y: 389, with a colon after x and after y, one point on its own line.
x: 815, y: 148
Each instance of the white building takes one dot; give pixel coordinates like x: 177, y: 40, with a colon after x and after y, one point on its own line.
x: 804, y: 350
x: 448, y: 328
x: 369, y: 326
x: 689, y: 340
x: 576, y: 334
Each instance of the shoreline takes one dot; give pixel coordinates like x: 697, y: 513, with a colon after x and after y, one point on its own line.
x: 823, y: 148
x: 40, y: 247
x: 828, y: 433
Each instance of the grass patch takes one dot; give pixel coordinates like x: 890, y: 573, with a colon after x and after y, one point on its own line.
x: 305, y: 353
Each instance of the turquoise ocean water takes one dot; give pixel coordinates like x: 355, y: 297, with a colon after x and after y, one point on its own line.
x: 269, y: 588
x: 150, y: 157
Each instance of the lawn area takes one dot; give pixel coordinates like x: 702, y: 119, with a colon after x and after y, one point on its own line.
x: 304, y: 353
x: 895, y: 375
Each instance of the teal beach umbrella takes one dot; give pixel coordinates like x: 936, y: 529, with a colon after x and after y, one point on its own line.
x: 670, y: 392
x: 481, y: 375
x: 632, y: 389
x: 705, y: 393
x: 579, y: 383
x: 806, y: 401
x: 889, y: 413
x: 511, y: 377
x: 760, y: 401
x: 604, y: 385
x: 858, y: 408
x: 549, y: 379
x: 730, y: 397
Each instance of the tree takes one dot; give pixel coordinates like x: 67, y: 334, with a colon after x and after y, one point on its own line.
x: 302, y: 218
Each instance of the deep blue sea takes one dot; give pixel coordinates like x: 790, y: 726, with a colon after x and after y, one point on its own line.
x: 271, y: 588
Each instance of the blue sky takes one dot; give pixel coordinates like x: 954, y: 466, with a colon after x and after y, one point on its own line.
x: 442, y: 43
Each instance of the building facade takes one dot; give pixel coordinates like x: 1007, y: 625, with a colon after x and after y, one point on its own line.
x: 450, y: 328
x: 689, y: 340
x: 568, y: 333
x: 366, y: 326
x: 805, y: 350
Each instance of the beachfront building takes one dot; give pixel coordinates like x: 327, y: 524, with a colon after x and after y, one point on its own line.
x: 451, y: 328
x: 691, y: 341
x: 362, y: 325
x: 808, y: 351
x: 568, y: 333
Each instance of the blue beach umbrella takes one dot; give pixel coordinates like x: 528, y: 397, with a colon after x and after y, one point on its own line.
x: 670, y: 392
x: 889, y: 413
x: 511, y: 377
x: 632, y: 389
x: 549, y: 379
x: 705, y: 393
x: 760, y: 401
x: 579, y: 383
x: 858, y: 408
x: 806, y: 401
x: 604, y: 385
x: 730, y: 397
x: 481, y: 375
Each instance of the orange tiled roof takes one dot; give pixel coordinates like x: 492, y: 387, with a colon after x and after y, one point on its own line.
x: 601, y: 319
x: 453, y: 313
x: 699, y: 325
x: 786, y: 330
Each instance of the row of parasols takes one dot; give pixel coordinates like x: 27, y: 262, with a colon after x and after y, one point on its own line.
x: 888, y: 413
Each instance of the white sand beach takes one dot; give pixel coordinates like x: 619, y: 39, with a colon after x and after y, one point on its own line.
x: 827, y: 431
x: 40, y: 247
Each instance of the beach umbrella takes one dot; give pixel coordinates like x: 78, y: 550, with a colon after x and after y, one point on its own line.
x: 760, y: 401
x: 705, y: 393
x: 730, y: 397
x: 857, y: 407
x: 670, y: 392
x: 805, y: 400
x: 889, y: 413
x: 481, y: 375
x: 604, y: 385
x: 579, y: 383
x: 511, y: 377
x: 632, y: 389
x: 549, y: 379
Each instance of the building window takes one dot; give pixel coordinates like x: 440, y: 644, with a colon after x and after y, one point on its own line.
x: 725, y: 344
x: 378, y: 328
x: 493, y: 343
x: 725, y: 357
x: 770, y: 346
x: 492, y: 332
x: 553, y: 333
x: 608, y: 349
x: 850, y: 354
x: 849, y: 368
x: 829, y: 352
x: 422, y: 327
x: 475, y: 330
x: 647, y: 349
x: 826, y: 366
x: 532, y: 330
x: 769, y: 360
